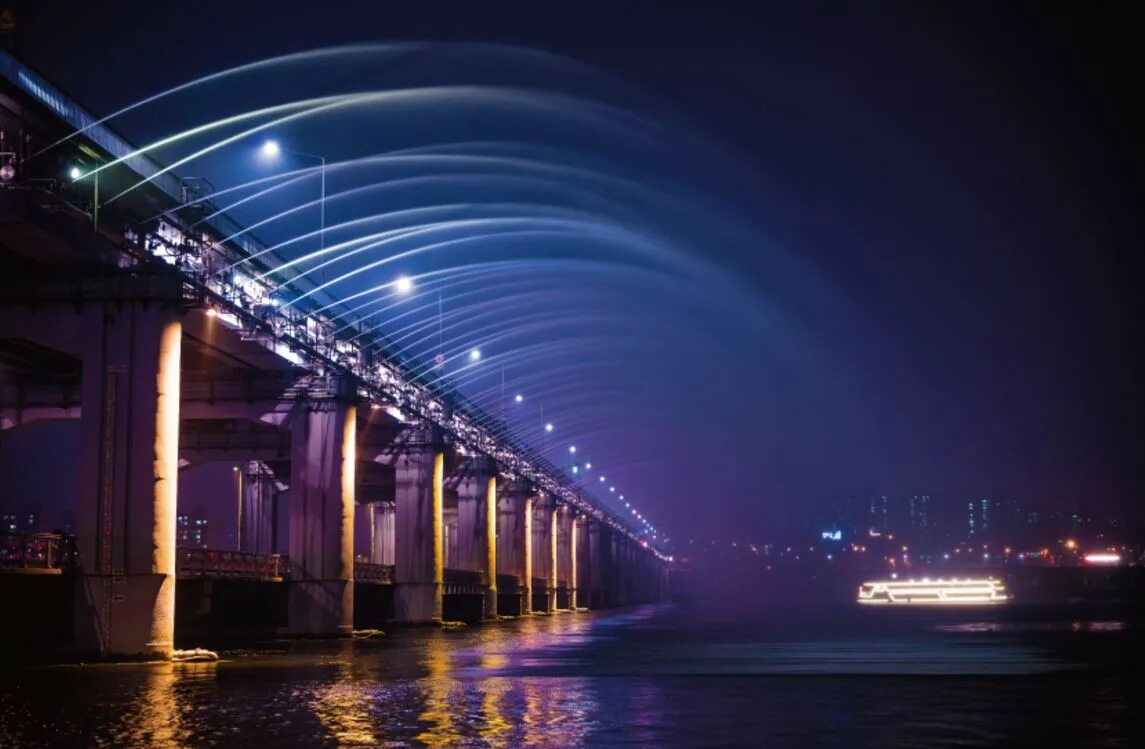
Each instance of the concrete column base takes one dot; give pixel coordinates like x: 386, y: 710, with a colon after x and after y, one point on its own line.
x: 317, y: 608
x: 418, y: 603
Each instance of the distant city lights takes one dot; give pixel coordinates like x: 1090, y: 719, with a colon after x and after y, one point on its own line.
x: 1104, y: 558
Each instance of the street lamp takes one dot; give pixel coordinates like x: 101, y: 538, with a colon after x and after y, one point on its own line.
x: 76, y: 175
x: 475, y: 355
x: 403, y: 284
x: 518, y: 397
x: 572, y: 449
x: 549, y: 427
x: 271, y: 150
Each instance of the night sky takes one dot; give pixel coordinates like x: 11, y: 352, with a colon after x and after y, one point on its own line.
x: 934, y: 213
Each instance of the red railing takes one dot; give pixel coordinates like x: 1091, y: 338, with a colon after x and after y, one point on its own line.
x: 36, y: 552
x: 373, y: 574
x: 239, y: 565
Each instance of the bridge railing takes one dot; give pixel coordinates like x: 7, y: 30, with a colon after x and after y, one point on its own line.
x: 373, y: 574
x: 36, y: 552
x: 238, y: 565
x: 463, y: 581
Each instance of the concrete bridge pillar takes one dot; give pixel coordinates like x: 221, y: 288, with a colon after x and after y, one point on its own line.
x: 566, y: 573
x: 128, y: 468
x: 515, y: 537
x: 321, y: 545
x: 258, y: 494
x: 602, y: 557
x: 582, y: 592
x: 382, y: 532
x: 418, y: 553
x: 618, y: 570
x: 477, y: 527
x: 545, y: 547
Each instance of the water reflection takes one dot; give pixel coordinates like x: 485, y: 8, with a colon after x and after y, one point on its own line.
x: 343, y: 707
x: 628, y: 678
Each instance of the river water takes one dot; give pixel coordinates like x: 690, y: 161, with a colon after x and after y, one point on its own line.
x: 662, y: 676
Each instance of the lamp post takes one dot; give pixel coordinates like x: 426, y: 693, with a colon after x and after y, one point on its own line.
x: 271, y: 149
x: 77, y: 174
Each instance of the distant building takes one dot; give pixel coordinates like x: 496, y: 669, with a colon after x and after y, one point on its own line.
x: 920, y: 511
x: 192, y: 529
x: 979, y: 518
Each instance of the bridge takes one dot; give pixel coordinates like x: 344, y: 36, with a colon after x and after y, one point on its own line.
x: 159, y: 328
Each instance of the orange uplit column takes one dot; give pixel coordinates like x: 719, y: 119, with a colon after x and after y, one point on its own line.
x: 419, y: 567
x: 545, y: 548
x: 515, y: 542
x: 477, y: 527
x: 322, y: 504
x: 127, y: 479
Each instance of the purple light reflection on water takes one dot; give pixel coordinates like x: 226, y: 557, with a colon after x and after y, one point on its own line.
x: 647, y: 677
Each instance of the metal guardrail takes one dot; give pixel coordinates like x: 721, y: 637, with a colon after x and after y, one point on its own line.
x: 235, y: 565
x: 463, y: 582
x: 373, y: 574
x: 50, y: 553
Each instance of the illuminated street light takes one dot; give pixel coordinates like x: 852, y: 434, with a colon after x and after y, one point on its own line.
x: 612, y: 489
x: 576, y: 469
x: 475, y: 355
x: 271, y: 151
x: 588, y: 466
x: 549, y: 427
x: 404, y: 284
x: 518, y: 397
x: 572, y: 449
x: 75, y: 173
x: 602, y: 479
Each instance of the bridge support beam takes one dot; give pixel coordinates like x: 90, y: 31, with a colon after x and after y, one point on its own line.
x: 418, y: 553
x: 382, y: 515
x: 321, y: 547
x: 604, y: 576
x: 545, y: 548
x: 477, y: 528
x: 258, y: 496
x: 566, y: 575
x: 515, y: 537
x: 582, y: 591
x: 128, y: 478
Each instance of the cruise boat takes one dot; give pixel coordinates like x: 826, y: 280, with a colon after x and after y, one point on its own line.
x: 939, y: 592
